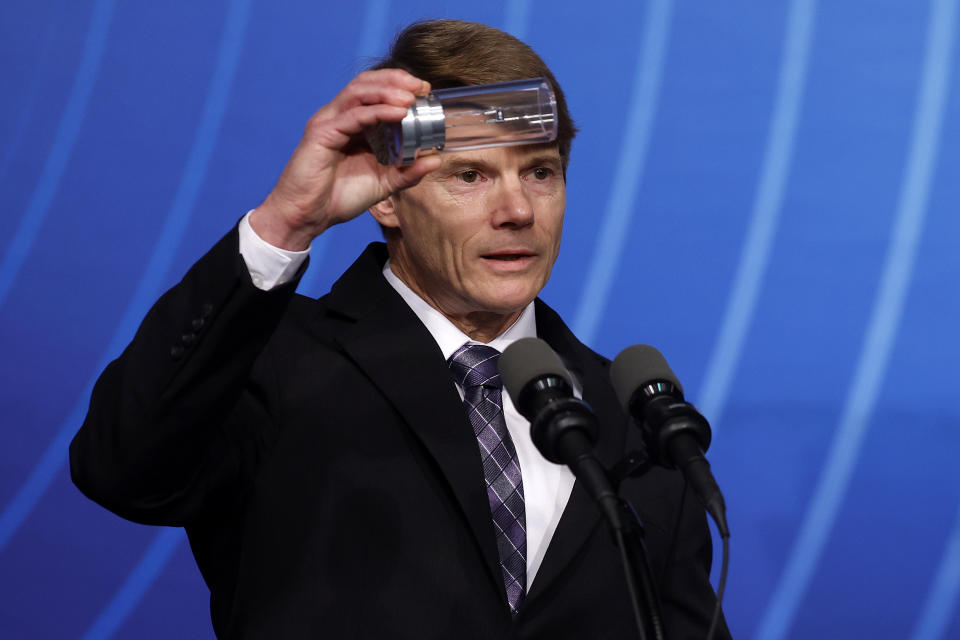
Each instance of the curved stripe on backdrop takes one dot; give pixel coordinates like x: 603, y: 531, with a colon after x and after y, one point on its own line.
x: 371, y: 41
x: 941, y: 602
x: 631, y: 164
x: 518, y: 18
x: 765, y: 217
x: 148, y: 288
x: 67, y: 131
x: 135, y: 586
x: 374, y: 27
x: 882, y: 330
x: 29, y: 103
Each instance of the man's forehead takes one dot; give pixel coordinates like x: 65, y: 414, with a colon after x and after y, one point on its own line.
x: 517, y: 154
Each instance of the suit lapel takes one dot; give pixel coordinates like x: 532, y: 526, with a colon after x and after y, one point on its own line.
x: 581, y: 515
x: 393, y: 348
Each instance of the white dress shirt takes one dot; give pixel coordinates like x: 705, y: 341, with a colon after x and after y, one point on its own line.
x: 546, y: 486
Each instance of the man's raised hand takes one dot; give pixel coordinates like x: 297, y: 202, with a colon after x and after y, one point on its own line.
x: 333, y: 176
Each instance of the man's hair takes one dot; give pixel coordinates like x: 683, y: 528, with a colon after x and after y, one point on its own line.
x: 454, y: 53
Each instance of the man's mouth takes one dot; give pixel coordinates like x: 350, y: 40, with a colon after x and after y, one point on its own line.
x: 508, y: 256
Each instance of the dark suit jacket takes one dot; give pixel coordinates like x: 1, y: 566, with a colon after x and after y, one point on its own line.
x: 319, y: 457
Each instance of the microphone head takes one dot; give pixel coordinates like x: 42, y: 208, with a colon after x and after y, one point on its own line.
x: 637, y: 366
x: 561, y: 425
x: 526, y: 360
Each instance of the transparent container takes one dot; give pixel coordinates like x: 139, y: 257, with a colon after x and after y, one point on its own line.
x: 463, y: 118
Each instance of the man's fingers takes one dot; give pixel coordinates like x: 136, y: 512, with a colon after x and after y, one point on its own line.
x: 402, y: 177
x: 397, y: 77
x: 360, y: 118
x: 390, y: 86
x: 337, y: 132
x: 393, y: 87
x: 372, y: 93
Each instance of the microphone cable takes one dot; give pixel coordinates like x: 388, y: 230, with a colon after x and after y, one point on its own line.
x: 721, y: 586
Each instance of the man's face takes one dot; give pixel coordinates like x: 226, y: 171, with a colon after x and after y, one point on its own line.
x: 481, y: 233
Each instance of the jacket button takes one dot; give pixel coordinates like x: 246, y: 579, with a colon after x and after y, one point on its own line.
x: 176, y: 352
x: 206, y: 310
x: 197, y: 323
x: 188, y: 339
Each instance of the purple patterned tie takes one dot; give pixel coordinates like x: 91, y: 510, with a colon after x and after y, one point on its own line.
x: 474, y: 367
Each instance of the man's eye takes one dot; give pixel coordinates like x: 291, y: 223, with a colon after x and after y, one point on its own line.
x: 469, y: 176
x: 541, y: 173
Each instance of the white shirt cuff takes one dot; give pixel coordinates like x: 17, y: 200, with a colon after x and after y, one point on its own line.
x: 269, y: 266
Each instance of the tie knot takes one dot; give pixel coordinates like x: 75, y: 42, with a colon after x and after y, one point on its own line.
x: 475, y: 365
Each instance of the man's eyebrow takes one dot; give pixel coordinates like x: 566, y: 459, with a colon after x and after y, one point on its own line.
x: 458, y: 164
x: 544, y: 159
x: 455, y: 165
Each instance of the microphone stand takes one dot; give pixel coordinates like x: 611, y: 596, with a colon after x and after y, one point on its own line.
x: 564, y: 429
x: 633, y: 552
x: 624, y: 523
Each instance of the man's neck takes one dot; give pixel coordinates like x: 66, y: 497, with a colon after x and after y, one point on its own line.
x: 482, y: 326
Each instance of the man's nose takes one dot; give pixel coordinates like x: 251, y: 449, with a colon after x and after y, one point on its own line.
x: 513, y: 207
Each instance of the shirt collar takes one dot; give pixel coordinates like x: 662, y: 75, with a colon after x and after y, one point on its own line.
x: 447, y: 335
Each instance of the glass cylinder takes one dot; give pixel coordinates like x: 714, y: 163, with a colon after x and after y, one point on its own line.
x: 476, y: 117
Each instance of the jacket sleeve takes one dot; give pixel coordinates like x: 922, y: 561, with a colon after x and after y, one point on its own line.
x: 182, y: 417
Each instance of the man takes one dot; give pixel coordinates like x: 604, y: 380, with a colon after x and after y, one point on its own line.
x: 333, y: 468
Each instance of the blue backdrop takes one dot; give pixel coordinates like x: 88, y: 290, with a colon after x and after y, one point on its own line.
x: 766, y: 191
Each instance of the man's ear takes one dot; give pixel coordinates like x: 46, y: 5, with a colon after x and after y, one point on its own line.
x: 385, y: 212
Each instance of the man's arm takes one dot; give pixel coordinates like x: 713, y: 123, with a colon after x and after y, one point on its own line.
x: 332, y: 176
x: 178, y: 415
x: 269, y: 266
x: 181, y: 419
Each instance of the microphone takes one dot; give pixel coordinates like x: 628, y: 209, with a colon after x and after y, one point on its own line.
x: 562, y: 427
x: 675, y: 433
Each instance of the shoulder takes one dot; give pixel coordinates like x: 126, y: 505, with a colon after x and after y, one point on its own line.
x: 659, y: 495
x: 552, y: 329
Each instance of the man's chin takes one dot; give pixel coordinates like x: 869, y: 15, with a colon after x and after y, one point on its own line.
x: 503, y: 304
